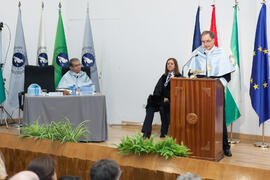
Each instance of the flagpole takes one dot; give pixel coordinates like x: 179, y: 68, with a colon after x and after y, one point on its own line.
x: 262, y: 144
x: 232, y: 140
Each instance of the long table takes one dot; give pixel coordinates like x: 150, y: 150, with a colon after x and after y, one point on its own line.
x: 76, y: 108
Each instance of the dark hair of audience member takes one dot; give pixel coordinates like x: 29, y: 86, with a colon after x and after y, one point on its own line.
x: 44, y: 167
x: 105, y: 169
x: 69, y: 178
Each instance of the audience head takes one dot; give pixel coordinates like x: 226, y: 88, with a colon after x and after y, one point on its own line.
x: 69, y: 178
x: 105, y: 169
x: 25, y: 175
x: 44, y: 167
x: 188, y: 176
x: 171, y: 66
x: 208, y: 39
x: 75, y: 65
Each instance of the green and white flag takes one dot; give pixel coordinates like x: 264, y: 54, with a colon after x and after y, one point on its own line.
x: 60, y: 54
x: 2, y: 88
x: 233, y: 89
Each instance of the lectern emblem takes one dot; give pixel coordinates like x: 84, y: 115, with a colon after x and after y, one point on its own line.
x: 192, y: 118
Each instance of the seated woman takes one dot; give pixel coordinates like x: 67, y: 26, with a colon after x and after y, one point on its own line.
x: 160, y: 100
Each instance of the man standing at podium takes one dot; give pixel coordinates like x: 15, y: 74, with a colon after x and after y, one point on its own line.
x: 209, y: 61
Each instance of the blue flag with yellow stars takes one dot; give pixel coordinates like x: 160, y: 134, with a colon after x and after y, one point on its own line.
x: 259, y: 81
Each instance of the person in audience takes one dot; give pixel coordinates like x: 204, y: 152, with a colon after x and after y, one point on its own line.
x: 160, y: 100
x: 44, y: 167
x: 75, y: 77
x: 105, y: 169
x: 25, y: 175
x: 188, y: 176
x: 3, y: 172
x: 69, y: 178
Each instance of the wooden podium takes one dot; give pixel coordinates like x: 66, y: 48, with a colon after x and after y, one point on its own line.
x: 196, y: 116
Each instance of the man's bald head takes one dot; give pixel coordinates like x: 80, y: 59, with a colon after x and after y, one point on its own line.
x: 23, y: 175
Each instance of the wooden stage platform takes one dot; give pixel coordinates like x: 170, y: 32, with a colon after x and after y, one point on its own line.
x: 247, y: 161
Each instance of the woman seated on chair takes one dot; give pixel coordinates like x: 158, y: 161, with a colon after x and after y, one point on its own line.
x: 160, y: 100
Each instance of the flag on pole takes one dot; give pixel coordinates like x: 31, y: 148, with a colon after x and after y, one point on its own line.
x: 213, y: 26
x: 88, y: 52
x: 233, y: 89
x: 42, y: 56
x: 60, y: 54
x: 259, y: 82
x: 197, y: 32
x: 19, y: 60
x: 2, y: 87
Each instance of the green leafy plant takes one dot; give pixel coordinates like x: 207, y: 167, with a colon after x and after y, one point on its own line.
x: 59, y: 131
x: 138, y: 145
x: 169, y: 148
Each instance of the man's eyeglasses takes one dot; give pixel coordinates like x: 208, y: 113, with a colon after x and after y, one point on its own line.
x: 207, y: 41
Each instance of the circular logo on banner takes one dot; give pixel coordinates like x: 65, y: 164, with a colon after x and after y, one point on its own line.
x: 18, y: 59
x: 88, y: 59
x: 62, y: 60
x: 43, y: 59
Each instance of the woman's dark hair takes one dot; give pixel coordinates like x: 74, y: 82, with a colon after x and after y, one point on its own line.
x: 43, y: 166
x: 176, y: 69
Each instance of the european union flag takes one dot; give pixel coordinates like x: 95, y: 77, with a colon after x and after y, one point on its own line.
x: 259, y: 81
x: 197, y: 32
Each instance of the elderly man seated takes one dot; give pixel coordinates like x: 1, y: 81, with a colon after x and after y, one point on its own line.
x: 75, y: 77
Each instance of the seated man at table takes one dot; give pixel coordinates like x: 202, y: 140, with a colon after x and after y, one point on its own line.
x: 75, y: 77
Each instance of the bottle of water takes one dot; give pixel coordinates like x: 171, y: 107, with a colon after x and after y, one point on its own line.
x: 74, y: 89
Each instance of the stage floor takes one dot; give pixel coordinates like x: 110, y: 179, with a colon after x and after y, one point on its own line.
x: 243, y: 154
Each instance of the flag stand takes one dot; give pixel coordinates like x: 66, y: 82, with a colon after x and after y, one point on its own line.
x: 233, y: 140
x: 2, y: 108
x: 2, y: 117
x: 3, y: 111
x: 262, y: 144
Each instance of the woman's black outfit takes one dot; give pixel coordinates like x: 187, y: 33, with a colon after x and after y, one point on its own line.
x: 156, y: 103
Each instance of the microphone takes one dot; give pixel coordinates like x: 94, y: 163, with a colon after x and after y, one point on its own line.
x: 1, y: 26
x: 188, y: 62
